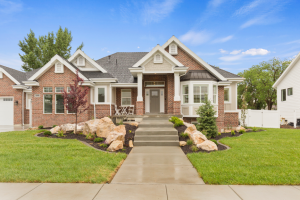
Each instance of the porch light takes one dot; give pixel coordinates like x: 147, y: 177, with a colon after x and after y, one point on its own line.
x: 16, y: 102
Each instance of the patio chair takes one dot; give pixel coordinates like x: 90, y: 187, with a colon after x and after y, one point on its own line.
x: 131, y: 110
x: 117, y: 111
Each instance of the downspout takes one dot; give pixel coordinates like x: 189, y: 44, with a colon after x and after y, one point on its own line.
x: 94, y: 103
x: 110, y: 91
x: 22, y: 107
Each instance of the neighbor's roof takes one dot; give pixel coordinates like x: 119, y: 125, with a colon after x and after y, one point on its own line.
x: 117, y: 65
x: 224, y: 73
x: 198, y: 75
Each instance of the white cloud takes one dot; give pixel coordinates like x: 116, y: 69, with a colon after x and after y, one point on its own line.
x: 255, y: 52
x: 155, y: 11
x: 215, y: 3
x: 234, y: 52
x: 196, y: 38
x: 138, y: 47
x: 248, y: 8
x: 231, y: 58
x: 254, y: 21
x: 223, y: 51
x: 222, y: 40
x: 8, y: 7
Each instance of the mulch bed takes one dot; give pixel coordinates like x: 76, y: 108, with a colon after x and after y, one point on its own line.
x: 289, y: 127
x: 126, y: 149
x: 186, y: 149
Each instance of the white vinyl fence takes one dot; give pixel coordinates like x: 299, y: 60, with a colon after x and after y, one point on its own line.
x: 262, y: 118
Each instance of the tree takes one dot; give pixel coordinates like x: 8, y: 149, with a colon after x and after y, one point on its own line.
x: 76, y: 99
x: 243, y: 109
x: 38, y: 52
x: 207, y: 119
x: 259, y: 80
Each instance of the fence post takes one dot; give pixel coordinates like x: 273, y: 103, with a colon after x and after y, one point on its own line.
x: 262, y: 118
x: 295, y: 119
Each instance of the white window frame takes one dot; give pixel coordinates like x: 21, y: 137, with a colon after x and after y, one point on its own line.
x: 229, y: 95
x: 47, y: 87
x: 282, y: 95
x: 199, y: 84
x: 62, y: 68
x: 59, y: 87
x: 154, y: 85
x: 182, y: 94
x: 56, y: 104
x: 176, y: 49
x: 126, y: 97
x: 27, y: 100
x: 80, y: 65
x: 96, y: 95
x: 287, y: 92
x: 215, y: 103
x: 156, y: 60
x: 44, y: 105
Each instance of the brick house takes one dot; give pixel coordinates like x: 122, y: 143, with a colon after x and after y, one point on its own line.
x: 169, y: 79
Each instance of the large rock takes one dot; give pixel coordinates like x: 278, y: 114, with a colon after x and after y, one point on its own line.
x: 130, y: 143
x: 118, y: 133
x: 55, y: 129
x: 67, y: 127
x: 208, y: 146
x: 115, y: 145
x: 104, y: 127
x: 239, y: 128
x: 90, y: 126
x: 182, y: 143
x: 134, y: 124
x: 190, y: 128
x: 79, y: 127
x: 198, y: 137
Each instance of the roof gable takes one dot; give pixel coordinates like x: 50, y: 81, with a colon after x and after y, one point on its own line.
x: 16, y: 76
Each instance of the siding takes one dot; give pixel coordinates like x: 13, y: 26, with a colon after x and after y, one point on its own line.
x: 233, y: 98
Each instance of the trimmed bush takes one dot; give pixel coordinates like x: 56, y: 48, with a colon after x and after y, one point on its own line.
x: 40, y: 126
x: 173, y: 119
x: 47, y: 133
x: 178, y: 122
x: 214, y: 141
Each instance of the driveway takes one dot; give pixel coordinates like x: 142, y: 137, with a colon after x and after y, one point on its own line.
x: 7, y: 128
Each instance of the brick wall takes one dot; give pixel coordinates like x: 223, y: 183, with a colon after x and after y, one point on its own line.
x: 6, y: 89
x: 231, y: 119
x: 119, y: 96
x: 140, y: 108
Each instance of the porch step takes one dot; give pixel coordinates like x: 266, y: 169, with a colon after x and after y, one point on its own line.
x: 157, y: 143
x: 155, y: 137
x: 156, y: 131
x: 156, y: 123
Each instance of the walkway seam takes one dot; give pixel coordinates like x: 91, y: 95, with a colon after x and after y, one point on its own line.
x: 296, y: 187
x: 235, y: 192
x: 98, y: 192
x: 167, y: 192
x: 29, y: 191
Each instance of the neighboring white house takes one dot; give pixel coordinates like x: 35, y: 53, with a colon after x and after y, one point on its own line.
x: 288, y: 91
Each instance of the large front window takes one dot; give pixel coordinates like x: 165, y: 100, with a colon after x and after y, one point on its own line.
x: 47, y: 103
x: 59, y: 108
x: 185, y: 93
x: 101, y: 95
x: 200, y: 92
x: 126, y: 97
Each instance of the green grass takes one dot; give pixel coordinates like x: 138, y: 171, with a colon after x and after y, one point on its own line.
x: 26, y: 158
x: 256, y: 158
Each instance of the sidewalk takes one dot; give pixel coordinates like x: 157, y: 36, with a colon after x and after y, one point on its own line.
x: 81, y: 191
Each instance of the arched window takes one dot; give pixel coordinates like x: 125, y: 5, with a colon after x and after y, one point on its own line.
x: 80, y: 61
x: 158, y: 58
x: 59, y: 68
x: 173, y: 49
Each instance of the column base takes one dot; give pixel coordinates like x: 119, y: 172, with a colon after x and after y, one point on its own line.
x: 139, y: 108
x: 176, y: 108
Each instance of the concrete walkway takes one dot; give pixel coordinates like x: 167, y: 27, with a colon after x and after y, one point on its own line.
x: 7, y: 128
x: 157, y: 165
x: 81, y: 191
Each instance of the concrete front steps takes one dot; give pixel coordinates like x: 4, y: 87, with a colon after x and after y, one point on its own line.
x: 156, y: 130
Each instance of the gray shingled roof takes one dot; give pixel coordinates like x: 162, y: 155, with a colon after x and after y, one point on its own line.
x: 117, y: 65
x: 224, y: 73
x: 202, y: 75
x: 18, y: 75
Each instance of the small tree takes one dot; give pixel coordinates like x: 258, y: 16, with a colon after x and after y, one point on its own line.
x: 243, y: 109
x: 207, y: 119
x: 75, y: 100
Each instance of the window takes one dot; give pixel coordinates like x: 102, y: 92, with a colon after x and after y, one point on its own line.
x: 226, y: 95
x: 290, y: 91
x: 59, y: 68
x: 68, y: 89
x: 158, y: 58
x: 126, y: 97
x: 101, y: 95
x: 185, y: 93
x: 59, y: 108
x: 47, y: 103
x: 47, y: 89
x: 80, y: 61
x: 214, y: 94
x: 154, y: 84
x: 200, y: 91
x: 59, y: 89
x: 173, y: 49
x: 283, y: 95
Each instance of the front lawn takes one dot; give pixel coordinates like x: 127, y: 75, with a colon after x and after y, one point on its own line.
x: 26, y: 158
x: 258, y: 158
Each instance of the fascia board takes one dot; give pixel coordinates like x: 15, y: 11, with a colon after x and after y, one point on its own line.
x: 31, y: 83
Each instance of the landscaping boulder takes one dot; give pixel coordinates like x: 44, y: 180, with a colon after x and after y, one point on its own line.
x: 67, y: 127
x: 190, y: 128
x: 134, y: 124
x: 104, y: 127
x: 55, y: 129
x: 182, y: 143
x: 118, y: 133
x: 79, y: 127
x: 130, y: 143
x: 239, y: 128
x: 198, y: 137
x: 115, y: 145
x: 208, y: 146
x: 90, y: 126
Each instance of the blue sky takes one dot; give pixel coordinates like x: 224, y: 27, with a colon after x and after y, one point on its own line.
x: 231, y: 34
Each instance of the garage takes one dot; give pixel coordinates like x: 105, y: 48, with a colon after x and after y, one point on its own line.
x: 6, y: 111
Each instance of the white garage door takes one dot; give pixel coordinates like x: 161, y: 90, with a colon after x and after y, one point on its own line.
x: 6, y: 111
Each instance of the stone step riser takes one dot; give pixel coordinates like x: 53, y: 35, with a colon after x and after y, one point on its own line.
x: 155, y: 137
x: 156, y: 143
x: 155, y: 119
x: 156, y: 133
x: 156, y: 125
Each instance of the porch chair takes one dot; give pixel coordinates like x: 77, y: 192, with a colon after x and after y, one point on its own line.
x: 131, y: 110
x: 117, y: 111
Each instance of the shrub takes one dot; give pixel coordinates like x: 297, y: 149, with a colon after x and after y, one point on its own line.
x: 178, y: 122
x: 60, y: 134
x: 219, y: 133
x: 194, y: 148
x: 232, y: 132
x: 214, y: 141
x: 54, y: 126
x: 242, y: 131
x: 98, y: 140
x: 89, y: 136
x: 103, y: 145
x: 47, y: 133
x: 189, y: 142
x: 40, y: 126
x: 207, y: 119
x: 184, y: 135
x: 254, y: 129
x: 173, y: 119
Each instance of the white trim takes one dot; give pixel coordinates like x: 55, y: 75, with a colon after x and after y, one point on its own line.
x: 27, y: 100
x: 50, y: 64
x: 154, y: 51
x: 55, y: 106
x: 47, y: 87
x: 101, y: 80
x: 96, y: 94
x: 44, y: 104
x: 1, y: 74
x: 188, y: 94
x: 286, y: 71
x: 88, y: 59
x: 229, y: 95
x: 126, y: 97
x: 162, y: 100
x: 208, y: 92
x: 227, y: 83
x: 186, y: 49
x: 9, y: 76
x: 62, y: 68
x: 20, y: 87
x: 88, y: 69
x: 77, y: 61
x: 31, y: 83
x: 147, y: 100
x: 160, y: 60
x: 59, y: 87
x: 176, y: 48
x: 154, y: 85
x: 231, y: 111
x: 124, y: 85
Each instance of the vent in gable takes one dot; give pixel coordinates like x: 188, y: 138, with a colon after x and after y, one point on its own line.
x: 80, y: 61
x: 158, y: 58
x: 59, y: 68
x: 173, y: 49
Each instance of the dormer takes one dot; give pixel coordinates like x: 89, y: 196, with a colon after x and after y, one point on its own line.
x: 80, y: 61
x: 173, y: 49
x: 158, y: 58
x: 59, y: 68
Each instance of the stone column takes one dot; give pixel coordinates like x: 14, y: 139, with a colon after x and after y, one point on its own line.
x: 140, y: 102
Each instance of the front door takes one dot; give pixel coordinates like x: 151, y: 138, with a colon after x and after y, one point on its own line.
x: 154, y: 101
